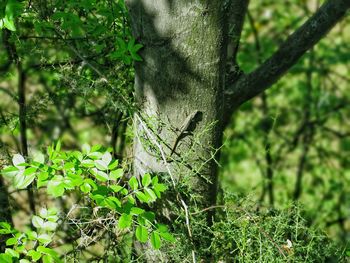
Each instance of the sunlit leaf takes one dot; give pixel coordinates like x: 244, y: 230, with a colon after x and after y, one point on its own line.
x: 155, y: 240
x: 125, y: 221
x: 141, y: 234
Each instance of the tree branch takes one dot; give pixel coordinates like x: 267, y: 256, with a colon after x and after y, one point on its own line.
x: 296, y: 45
x: 236, y: 13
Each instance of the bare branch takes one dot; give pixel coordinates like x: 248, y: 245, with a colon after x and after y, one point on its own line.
x: 296, y: 45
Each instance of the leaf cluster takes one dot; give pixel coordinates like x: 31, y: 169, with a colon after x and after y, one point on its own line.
x: 95, y: 175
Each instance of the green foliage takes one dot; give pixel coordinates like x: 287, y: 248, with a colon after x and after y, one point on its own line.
x: 127, y: 52
x: 246, y: 235
x: 246, y: 232
x: 31, y: 246
x: 9, y: 11
x: 95, y: 175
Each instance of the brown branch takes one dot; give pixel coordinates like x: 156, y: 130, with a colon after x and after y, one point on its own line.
x: 311, y: 32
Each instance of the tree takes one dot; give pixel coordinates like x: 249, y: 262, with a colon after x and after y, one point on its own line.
x: 188, y: 86
x: 189, y: 65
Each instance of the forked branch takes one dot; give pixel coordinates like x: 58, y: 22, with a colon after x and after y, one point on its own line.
x: 295, y: 46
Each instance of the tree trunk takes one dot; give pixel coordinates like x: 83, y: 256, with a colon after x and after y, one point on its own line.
x: 182, y: 72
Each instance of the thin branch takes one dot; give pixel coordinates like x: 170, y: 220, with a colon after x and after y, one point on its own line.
x: 296, y: 45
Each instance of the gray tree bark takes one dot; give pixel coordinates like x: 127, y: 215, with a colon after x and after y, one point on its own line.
x: 183, y: 71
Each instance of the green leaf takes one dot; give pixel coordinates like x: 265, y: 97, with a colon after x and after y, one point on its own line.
x: 48, y: 251
x: 135, y: 56
x: 137, y: 47
x: 162, y: 228
x: 116, y: 188
x: 58, y: 146
x: 47, y: 259
x: 149, y: 216
x: 12, y: 253
x: 73, y: 180
x: 106, y: 158
x: 55, y: 187
x: 5, y: 258
x: 5, y: 225
x: 68, y: 166
x: 21, y: 248
x: 95, y: 155
x: 44, y: 238
x: 5, y: 228
x: 113, y: 165
x: 137, y: 211
x: 39, y: 157
x: 18, y: 159
x: 101, y: 165
x: 49, y: 226
x: 92, y: 183
x: 78, y: 155
x: 155, y: 180
x: 34, y: 255
x: 52, y: 214
x: 141, y: 234
x: 86, y: 148
x: 32, y: 235
x: 124, y: 191
x: 9, y: 23
x: 11, y: 241
x: 29, y: 171
x: 88, y: 163
x: 142, y: 197
x: 21, y: 181
x: 98, y: 198
x: 125, y: 221
x: 85, y: 187
x: 133, y: 183
x: 146, y: 180
x: 10, y: 171
x: 131, y: 199
x: 131, y: 43
x: 158, y: 189
x: 152, y: 196
x: 112, y: 202
x: 38, y: 222
x: 43, y: 213
x: 96, y: 147
x: 42, y: 179
x: 167, y: 236
x: 116, y: 174
x: 13, y: 8
x: 155, y: 240
x: 101, y: 176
